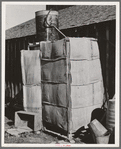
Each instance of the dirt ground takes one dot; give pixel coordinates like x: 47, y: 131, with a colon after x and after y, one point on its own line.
x: 32, y: 137
x: 82, y: 136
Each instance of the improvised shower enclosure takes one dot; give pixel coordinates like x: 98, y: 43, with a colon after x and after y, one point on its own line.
x: 71, y: 84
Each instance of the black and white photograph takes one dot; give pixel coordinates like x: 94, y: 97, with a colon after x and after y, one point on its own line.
x: 60, y: 74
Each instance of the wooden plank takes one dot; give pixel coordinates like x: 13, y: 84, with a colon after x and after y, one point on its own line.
x: 28, y: 119
x: 96, y: 31
x: 7, y: 70
x: 55, y: 133
x: 12, y: 68
x: 19, y: 65
x: 7, y: 62
x: 68, y: 98
x: 26, y: 43
x: 107, y: 59
x: 24, y: 40
x: 9, y: 66
x: 112, y: 56
x: 16, y: 69
x: 87, y: 31
x: 16, y: 72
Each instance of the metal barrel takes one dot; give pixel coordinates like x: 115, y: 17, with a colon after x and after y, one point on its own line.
x: 43, y: 30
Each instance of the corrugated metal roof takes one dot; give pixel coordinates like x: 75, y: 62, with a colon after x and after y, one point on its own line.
x: 74, y: 16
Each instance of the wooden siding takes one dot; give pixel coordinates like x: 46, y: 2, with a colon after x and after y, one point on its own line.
x: 13, y: 75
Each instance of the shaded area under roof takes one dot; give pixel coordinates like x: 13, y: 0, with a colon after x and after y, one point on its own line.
x: 74, y: 16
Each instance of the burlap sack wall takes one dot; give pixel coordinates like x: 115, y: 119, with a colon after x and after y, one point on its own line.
x: 30, y: 64
x: 87, y: 84
x: 84, y: 78
x: 31, y: 75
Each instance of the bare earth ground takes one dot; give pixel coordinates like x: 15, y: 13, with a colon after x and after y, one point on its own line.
x: 31, y: 137
x: 42, y: 137
x: 81, y: 136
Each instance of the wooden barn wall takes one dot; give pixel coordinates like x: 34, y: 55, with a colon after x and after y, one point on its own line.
x: 13, y: 75
x: 104, y: 32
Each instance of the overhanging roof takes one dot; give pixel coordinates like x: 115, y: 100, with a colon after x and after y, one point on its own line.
x: 74, y: 16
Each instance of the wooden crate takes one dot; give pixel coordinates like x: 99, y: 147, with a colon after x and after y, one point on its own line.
x: 28, y: 119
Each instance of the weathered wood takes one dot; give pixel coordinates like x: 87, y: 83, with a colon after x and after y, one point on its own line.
x: 68, y: 98
x: 7, y: 69
x: 30, y: 119
x: 45, y: 129
x: 16, y: 70
x: 96, y: 31
x: 107, y: 59
x: 12, y: 68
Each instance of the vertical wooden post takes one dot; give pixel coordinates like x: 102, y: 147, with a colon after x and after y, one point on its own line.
x: 12, y: 67
x: 9, y: 66
x: 6, y: 64
x: 68, y: 90
x: 19, y: 64
x: 7, y: 78
x: 16, y: 72
x: 13, y: 55
x: 24, y: 43
x: 107, y: 59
